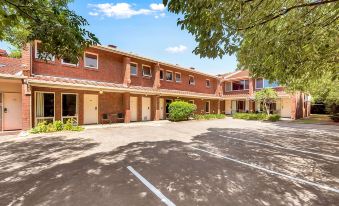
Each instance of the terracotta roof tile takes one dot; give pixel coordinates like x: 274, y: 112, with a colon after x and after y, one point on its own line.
x: 10, y: 66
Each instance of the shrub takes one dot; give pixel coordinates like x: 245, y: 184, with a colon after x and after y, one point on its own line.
x: 273, y: 118
x: 56, y: 126
x: 180, y: 110
x: 258, y: 116
x: 40, y: 128
x: 335, y: 117
x: 209, y: 116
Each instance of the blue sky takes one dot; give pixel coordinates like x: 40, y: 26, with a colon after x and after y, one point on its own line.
x: 146, y: 28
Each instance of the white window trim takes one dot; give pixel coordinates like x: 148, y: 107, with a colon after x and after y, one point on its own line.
x: 226, y: 86
x: 175, y: 78
x: 35, y: 109
x: 97, y: 67
x: 238, y: 81
x: 166, y: 76
x: 209, y: 107
x: 263, y: 83
x: 150, y: 70
x: 36, y: 55
x: 69, y: 64
x: 163, y: 74
x: 209, y: 86
x: 77, y: 108
x: 189, y: 82
x: 136, y: 65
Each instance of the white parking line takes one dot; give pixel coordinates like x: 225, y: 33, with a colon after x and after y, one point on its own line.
x: 285, y: 148
x: 151, y: 187
x: 325, y: 187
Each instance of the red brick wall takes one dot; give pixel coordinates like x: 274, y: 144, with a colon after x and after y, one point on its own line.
x: 0, y: 111
x: 25, y: 109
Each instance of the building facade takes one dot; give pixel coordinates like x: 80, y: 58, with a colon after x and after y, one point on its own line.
x: 108, y: 85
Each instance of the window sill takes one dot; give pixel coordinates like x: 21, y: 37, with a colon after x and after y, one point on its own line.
x: 46, y: 62
x: 92, y: 69
x: 70, y: 65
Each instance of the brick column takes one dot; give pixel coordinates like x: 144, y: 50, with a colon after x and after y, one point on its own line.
x: 293, y: 107
x: 127, y: 108
x: 126, y: 71
x: 155, y: 108
x: 218, y: 106
x: 218, y: 89
x: 251, y: 86
x: 156, y: 83
x: 26, y: 106
x: 26, y: 60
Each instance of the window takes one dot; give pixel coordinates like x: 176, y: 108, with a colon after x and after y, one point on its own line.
x: 146, y: 71
x: 228, y: 86
x: 207, y: 107
x: 177, y: 77
x: 259, y: 83
x: 267, y: 84
x: 168, y: 102
x: 169, y: 76
x: 161, y: 74
x: 191, y: 101
x: 44, y: 107
x: 67, y: 61
x: 91, y: 60
x: 191, y: 80
x: 134, y: 69
x: 69, y: 107
x: 44, y: 56
x: 208, y: 83
x: 240, y: 85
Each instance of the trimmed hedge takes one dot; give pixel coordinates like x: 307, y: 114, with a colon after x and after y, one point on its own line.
x: 209, y: 116
x: 56, y: 126
x: 259, y: 116
x: 181, y: 111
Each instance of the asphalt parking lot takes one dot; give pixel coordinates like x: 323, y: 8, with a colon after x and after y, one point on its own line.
x: 218, y: 162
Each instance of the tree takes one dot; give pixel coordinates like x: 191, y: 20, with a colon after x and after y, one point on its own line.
x: 294, y: 42
x: 15, y: 53
x: 267, y: 97
x: 50, y: 21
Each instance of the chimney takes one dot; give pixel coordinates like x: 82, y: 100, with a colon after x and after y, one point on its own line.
x: 112, y: 46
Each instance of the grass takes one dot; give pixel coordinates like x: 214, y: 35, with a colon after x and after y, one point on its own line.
x: 315, y: 119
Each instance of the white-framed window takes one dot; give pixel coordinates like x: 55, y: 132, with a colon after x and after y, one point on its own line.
x: 69, y: 107
x: 208, y: 83
x: 44, y: 107
x: 191, y: 101
x: 191, y: 80
x: 228, y: 86
x: 177, y: 77
x: 265, y: 83
x: 207, y: 107
x: 91, y: 60
x: 43, y: 56
x: 134, y: 69
x: 169, y: 76
x: 161, y: 74
x: 146, y: 71
x: 240, y: 85
x: 67, y: 61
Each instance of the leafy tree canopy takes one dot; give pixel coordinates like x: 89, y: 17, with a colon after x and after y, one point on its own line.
x: 15, y: 53
x: 50, y: 21
x: 266, y: 96
x: 294, y: 42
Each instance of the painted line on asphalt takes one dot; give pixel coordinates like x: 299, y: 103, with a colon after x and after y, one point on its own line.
x: 285, y: 148
x: 151, y: 187
x: 325, y: 187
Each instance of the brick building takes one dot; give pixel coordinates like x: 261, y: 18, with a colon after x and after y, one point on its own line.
x: 108, y: 85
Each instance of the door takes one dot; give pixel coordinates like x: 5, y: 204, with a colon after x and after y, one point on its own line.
x: 90, y: 109
x: 161, y: 108
x: 234, y: 107
x: 285, y: 108
x: 12, y: 111
x: 168, y: 102
x: 134, y: 108
x: 146, y: 109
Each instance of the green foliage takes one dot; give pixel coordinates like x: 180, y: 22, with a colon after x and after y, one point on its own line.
x: 267, y: 96
x: 60, y: 29
x: 293, y: 42
x: 56, y: 126
x: 335, y: 117
x: 258, y: 116
x: 180, y: 110
x: 16, y: 53
x: 209, y: 116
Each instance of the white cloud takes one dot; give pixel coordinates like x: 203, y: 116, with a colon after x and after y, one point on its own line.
x: 160, y: 15
x: 157, y: 7
x: 176, y: 49
x: 125, y: 10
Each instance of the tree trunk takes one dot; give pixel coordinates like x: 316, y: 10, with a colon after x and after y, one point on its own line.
x: 267, y: 110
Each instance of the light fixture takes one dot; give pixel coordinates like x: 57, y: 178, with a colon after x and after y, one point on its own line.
x: 101, y: 92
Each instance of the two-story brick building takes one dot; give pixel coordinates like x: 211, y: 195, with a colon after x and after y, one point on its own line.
x: 108, y: 85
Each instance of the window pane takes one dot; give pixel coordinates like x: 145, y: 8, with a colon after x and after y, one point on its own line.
x: 191, y: 80
x: 178, y: 77
x: 228, y: 86
x: 246, y: 84
x: 69, y: 105
x: 44, y: 104
x: 40, y: 55
x: 161, y: 74
x: 259, y: 83
x: 68, y: 61
x: 208, y: 83
x: 207, y: 107
x: 91, y: 60
x: 238, y: 85
x: 169, y: 76
x: 146, y: 71
x: 134, y: 70
x: 268, y: 84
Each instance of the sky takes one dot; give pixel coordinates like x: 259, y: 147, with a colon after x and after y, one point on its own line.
x: 146, y: 28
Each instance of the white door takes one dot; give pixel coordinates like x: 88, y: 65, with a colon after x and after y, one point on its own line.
x: 12, y: 111
x: 146, y: 108
x: 285, y: 108
x: 134, y: 108
x: 161, y: 108
x: 90, y: 109
x: 234, y: 107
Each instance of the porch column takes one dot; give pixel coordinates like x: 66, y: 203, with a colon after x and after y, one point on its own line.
x: 155, y: 108
x: 127, y: 108
x: 218, y: 106
x: 26, y: 106
x: 126, y: 71
x: 219, y: 89
x: 156, y: 83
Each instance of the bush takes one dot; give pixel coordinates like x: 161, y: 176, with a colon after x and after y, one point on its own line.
x: 181, y: 111
x: 259, y: 116
x: 209, y: 116
x: 56, y: 126
x: 335, y: 117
